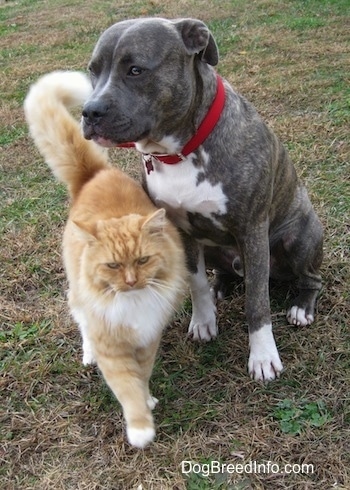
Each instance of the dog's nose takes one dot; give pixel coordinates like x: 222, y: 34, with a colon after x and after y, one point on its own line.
x: 94, y: 110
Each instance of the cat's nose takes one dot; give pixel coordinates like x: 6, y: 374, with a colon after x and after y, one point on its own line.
x: 130, y: 279
x: 131, y: 283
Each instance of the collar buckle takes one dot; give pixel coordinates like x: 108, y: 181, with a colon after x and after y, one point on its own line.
x: 181, y: 156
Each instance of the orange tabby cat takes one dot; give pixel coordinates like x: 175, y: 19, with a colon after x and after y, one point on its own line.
x: 124, y: 259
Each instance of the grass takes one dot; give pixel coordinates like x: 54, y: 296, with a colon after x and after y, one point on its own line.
x: 294, y: 417
x: 60, y: 427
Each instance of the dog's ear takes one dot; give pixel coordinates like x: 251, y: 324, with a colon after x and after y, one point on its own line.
x: 198, y: 40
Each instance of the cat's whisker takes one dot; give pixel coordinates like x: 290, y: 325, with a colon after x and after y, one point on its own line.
x: 108, y: 291
x: 161, y: 299
x: 166, y: 286
x: 159, y: 293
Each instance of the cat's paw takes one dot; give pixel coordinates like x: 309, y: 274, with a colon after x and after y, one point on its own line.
x: 140, y: 437
x: 152, y: 402
x: 88, y: 358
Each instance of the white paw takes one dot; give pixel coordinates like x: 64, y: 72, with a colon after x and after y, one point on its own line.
x: 264, y: 367
x: 140, y: 437
x: 88, y: 357
x: 297, y: 316
x: 264, y: 362
x: 152, y: 402
x: 203, y: 329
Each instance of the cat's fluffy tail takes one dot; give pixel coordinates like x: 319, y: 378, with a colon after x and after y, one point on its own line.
x: 72, y: 159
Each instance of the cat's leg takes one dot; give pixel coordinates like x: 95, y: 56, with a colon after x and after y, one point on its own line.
x: 124, y: 377
x: 128, y: 379
x: 146, y: 359
x: 88, y: 355
x: 152, y: 402
x: 80, y: 318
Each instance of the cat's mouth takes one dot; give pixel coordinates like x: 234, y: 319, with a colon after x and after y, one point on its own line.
x: 130, y: 288
x: 125, y: 288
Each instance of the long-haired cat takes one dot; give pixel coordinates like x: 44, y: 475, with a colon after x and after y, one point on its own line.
x: 124, y: 260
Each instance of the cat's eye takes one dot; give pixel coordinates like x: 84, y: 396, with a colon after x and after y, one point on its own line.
x: 113, y: 265
x: 143, y: 260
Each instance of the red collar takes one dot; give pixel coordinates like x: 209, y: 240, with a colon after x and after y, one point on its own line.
x: 205, y: 128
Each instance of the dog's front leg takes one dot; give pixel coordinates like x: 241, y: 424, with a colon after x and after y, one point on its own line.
x: 203, y: 323
x: 264, y: 362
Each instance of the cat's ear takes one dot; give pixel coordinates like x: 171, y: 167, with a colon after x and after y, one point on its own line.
x: 87, y: 231
x: 156, y: 222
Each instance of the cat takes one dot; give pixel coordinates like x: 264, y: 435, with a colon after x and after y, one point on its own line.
x: 124, y: 260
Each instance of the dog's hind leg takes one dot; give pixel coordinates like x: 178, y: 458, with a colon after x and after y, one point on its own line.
x: 264, y: 362
x: 227, y: 267
x: 304, y: 251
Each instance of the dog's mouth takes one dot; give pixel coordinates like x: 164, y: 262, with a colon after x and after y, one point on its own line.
x: 106, y: 143
x: 109, y: 127
x: 93, y: 133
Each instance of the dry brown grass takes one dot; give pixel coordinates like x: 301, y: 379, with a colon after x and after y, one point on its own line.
x: 60, y: 426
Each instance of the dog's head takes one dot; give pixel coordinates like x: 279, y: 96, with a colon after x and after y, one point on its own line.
x: 144, y: 74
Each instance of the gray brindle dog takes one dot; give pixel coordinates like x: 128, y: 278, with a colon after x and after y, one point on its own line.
x: 236, y: 193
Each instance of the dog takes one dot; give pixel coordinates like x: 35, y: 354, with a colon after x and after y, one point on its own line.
x: 218, y: 169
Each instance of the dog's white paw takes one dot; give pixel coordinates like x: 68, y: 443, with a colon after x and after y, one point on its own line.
x: 297, y: 316
x: 204, y: 328
x: 203, y: 325
x: 140, y: 437
x: 152, y: 402
x: 264, y: 362
x: 264, y: 367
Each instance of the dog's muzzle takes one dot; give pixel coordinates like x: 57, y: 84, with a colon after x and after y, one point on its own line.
x: 94, y: 111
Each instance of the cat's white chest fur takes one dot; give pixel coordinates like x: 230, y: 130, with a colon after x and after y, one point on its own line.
x: 144, y: 311
x: 180, y: 189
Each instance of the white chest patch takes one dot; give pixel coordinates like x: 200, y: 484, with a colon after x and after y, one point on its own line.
x: 179, y: 189
x: 146, y: 311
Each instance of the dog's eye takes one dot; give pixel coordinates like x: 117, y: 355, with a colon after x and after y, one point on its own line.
x: 135, y: 71
x: 91, y: 71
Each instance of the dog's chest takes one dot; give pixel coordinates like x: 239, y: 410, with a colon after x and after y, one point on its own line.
x: 183, y: 192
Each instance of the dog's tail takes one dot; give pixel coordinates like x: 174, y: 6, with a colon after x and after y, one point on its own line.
x: 72, y: 159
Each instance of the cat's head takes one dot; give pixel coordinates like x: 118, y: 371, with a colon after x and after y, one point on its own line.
x: 125, y: 254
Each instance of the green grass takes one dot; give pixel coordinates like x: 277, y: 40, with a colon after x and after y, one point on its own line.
x: 10, y: 135
x: 60, y: 426
x: 40, y: 202
x: 295, y: 417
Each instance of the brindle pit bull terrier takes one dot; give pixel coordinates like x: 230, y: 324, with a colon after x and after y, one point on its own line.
x: 227, y: 182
